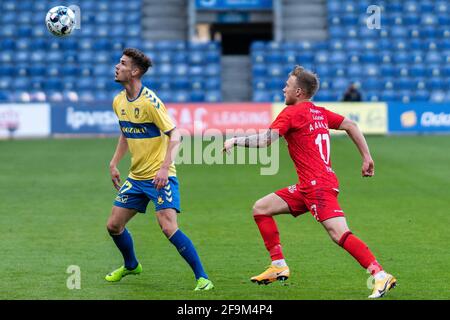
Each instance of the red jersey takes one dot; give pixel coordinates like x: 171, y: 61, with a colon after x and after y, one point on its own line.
x: 305, y: 128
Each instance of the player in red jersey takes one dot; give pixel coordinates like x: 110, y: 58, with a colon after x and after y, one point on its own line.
x: 305, y: 127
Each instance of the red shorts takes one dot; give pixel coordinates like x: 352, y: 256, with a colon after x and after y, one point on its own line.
x: 322, y: 204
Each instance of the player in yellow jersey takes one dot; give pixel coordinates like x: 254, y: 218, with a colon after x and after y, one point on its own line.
x: 150, y: 135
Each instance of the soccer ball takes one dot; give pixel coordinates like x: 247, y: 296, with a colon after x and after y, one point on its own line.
x: 60, y: 21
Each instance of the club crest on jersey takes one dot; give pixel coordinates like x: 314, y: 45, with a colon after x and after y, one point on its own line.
x: 160, y: 200
x: 122, y: 112
x: 292, y: 189
x: 136, y: 113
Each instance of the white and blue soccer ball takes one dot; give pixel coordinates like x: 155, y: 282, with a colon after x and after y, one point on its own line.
x: 60, y: 21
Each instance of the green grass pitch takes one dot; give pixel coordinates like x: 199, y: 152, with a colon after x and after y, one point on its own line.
x: 56, y: 196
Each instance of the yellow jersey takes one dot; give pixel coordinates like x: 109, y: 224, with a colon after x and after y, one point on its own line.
x: 144, y: 122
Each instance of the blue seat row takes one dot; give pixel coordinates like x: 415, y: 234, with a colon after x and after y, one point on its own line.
x: 88, y: 5
x: 106, y: 96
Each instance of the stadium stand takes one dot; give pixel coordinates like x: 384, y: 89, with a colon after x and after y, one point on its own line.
x: 38, y: 67
x: 407, y: 60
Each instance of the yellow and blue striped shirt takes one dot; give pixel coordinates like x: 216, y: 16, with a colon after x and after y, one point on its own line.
x: 144, y: 122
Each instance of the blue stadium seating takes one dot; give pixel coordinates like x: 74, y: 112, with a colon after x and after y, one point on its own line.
x: 83, y: 63
x: 407, y: 60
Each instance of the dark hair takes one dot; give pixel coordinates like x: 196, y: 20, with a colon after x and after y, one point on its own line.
x: 138, y: 58
x: 306, y: 80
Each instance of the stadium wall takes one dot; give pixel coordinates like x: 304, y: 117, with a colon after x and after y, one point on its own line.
x: 45, y: 120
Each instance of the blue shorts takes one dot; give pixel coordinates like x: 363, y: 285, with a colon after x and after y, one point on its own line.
x: 135, y: 194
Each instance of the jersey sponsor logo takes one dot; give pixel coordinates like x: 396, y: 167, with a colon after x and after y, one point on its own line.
x: 139, y: 130
x: 134, y: 130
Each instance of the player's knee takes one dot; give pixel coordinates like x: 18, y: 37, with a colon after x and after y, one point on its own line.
x: 114, y: 228
x: 335, y: 235
x: 260, y: 207
x: 168, y: 229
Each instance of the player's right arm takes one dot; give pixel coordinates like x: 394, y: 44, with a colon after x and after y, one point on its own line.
x: 121, y: 150
x: 277, y: 129
x: 261, y: 140
x: 353, y: 131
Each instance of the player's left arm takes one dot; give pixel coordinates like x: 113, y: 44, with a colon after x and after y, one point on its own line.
x: 261, y: 140
x: 162, y: 176
x: 353, y: 131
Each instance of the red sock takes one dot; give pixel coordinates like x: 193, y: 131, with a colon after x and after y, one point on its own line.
x: 359, y: 250
x: 269, y: 232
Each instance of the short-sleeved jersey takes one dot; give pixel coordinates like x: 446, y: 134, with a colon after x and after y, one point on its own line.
x: 144, y: 122
x: 305, y: 128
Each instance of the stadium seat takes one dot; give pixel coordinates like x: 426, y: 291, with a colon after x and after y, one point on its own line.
x: 213, y: 83
x: 325, y: 95
x: 305, y: 57
x: 87, y: 96
x: 212, y: 70
x: 37, y: 70
x: 197, y: 96
x: 372, y: 84
x: 421, y: 96
x: 182, y: 83
x: 442, y: 7
x: 21, y: 84
x: 372, y: 96
x: 371, y: 58
x: 52, y: 84
x: 275, y: 70
x: 354, y: 70
x: 437, y: 96
x: 213, y: 96
x: 276, y: 83
x: 337, y: 57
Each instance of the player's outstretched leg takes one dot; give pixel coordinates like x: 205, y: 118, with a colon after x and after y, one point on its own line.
x: 263, y: 210
x: 187, y: 250
x: 278, y: 270
x: 124, y: 242
x: 361, y: 252
x: 167, y: 219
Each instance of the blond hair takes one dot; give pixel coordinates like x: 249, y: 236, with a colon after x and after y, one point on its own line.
x: 306, y: 80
